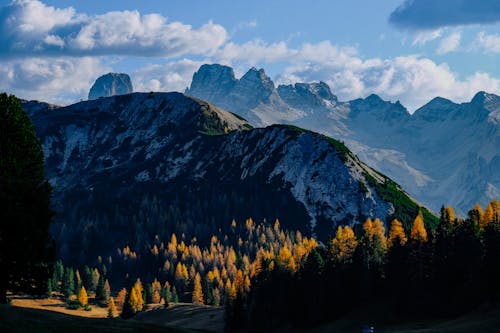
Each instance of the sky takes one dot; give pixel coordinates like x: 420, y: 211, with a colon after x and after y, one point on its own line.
x: 406, y: 50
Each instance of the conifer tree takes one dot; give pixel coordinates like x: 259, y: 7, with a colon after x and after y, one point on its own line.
x: 156, y: 291
x: 111, y: 308
x: 397, y: 234
x: 26, y: 247
x: 418, y: 232
x: 344, y: 244
x: 120, y: 298
x: 83, y: 297
x: 197, y: 297
x: 68, y: 285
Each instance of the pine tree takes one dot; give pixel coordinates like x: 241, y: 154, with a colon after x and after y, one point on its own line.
x: 49, y: 288
x: 197, y: 297
x: 83, y: 297
x: 68, y: 285
x: 175, y: 296
x: 100, y: 291
x: 107, y: 291
x: 26, y: 247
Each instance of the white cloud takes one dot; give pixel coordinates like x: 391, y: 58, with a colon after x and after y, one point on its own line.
x: 449, y: 43
x: 413, y: 80
x: 32, y: 28
x: 60, y: 81
x: 426, y: 36
x: 31, y: 31
x: 172, y: 76
x: 489, y: 43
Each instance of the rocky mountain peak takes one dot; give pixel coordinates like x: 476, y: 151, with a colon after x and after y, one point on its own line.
x: 111, y: 84
x: 307, y: 96
x: 375, y: 106
x: 212, y: 82
x: 257, y: 78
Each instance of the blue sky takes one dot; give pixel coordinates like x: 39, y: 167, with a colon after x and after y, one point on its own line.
x: 402, y: 50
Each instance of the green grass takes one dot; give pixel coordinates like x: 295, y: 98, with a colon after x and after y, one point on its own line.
x: 406, y: 208
x: 21, y: 320
x: 342, y: 151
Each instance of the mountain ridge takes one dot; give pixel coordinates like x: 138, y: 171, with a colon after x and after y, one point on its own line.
x: 442, y: 147
x: 150, y: 163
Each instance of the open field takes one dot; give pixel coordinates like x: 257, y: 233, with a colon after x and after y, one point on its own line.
x: 28, y: 315
x: 186, y: 315
x: 15, y: 319
x: 57, y: 305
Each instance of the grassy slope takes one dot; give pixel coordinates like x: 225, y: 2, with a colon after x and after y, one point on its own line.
x: 15, y: 319
x: 484, y: 319
x: 186, y: 315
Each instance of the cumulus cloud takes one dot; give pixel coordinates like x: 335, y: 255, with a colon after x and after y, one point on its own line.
x: 432, y: 14
x: 489, y: 43
x: 33, y: 28
x: 171, y: 76
x: 413, y: 80
x: 60, y: 81
x: 449, y: 43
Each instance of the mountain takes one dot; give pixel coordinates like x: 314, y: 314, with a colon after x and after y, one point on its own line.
x: 111, y: 84
x: 129, y: 167
x: 443, y: 154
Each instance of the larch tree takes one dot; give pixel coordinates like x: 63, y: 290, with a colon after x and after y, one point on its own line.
x: 418, y: 232
x: 397, y: 234
x: 197, y: 297
x: 343, y: 245
x: 83, y: 297
x: 111, y: 308
x: 26, y: 248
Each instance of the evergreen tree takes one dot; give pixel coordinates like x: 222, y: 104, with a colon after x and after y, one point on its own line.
x: 68, y: 284
x: 26, y: 248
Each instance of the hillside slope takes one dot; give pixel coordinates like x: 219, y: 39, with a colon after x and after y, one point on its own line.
x: 443, y: 154
x: 128, y: 168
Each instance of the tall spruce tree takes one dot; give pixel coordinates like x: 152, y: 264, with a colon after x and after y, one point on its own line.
x: 26, y: 248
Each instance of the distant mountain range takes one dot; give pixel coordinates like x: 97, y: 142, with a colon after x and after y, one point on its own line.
x: 443, y: 154
x: 128, y: 168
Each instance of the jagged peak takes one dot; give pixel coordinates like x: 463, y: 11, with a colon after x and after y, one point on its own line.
x: 258, y: 75
x: 483, y: 97
x: 215, y: 68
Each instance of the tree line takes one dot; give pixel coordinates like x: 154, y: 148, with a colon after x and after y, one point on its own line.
x: 420, y: 272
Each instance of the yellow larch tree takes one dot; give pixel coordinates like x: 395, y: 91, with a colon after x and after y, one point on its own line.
x: 156, y: 291
x: 397, y: 234
x: 197, y: 297
x: 83, y: 297
x: 343, y: 245
x: 418, y: 232
x: 136, y: 300
x: 111, y: 308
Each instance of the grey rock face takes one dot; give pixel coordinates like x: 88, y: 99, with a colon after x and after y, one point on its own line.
x: 111, y: 84
x: 444, y: 154
x: 110, y: 155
